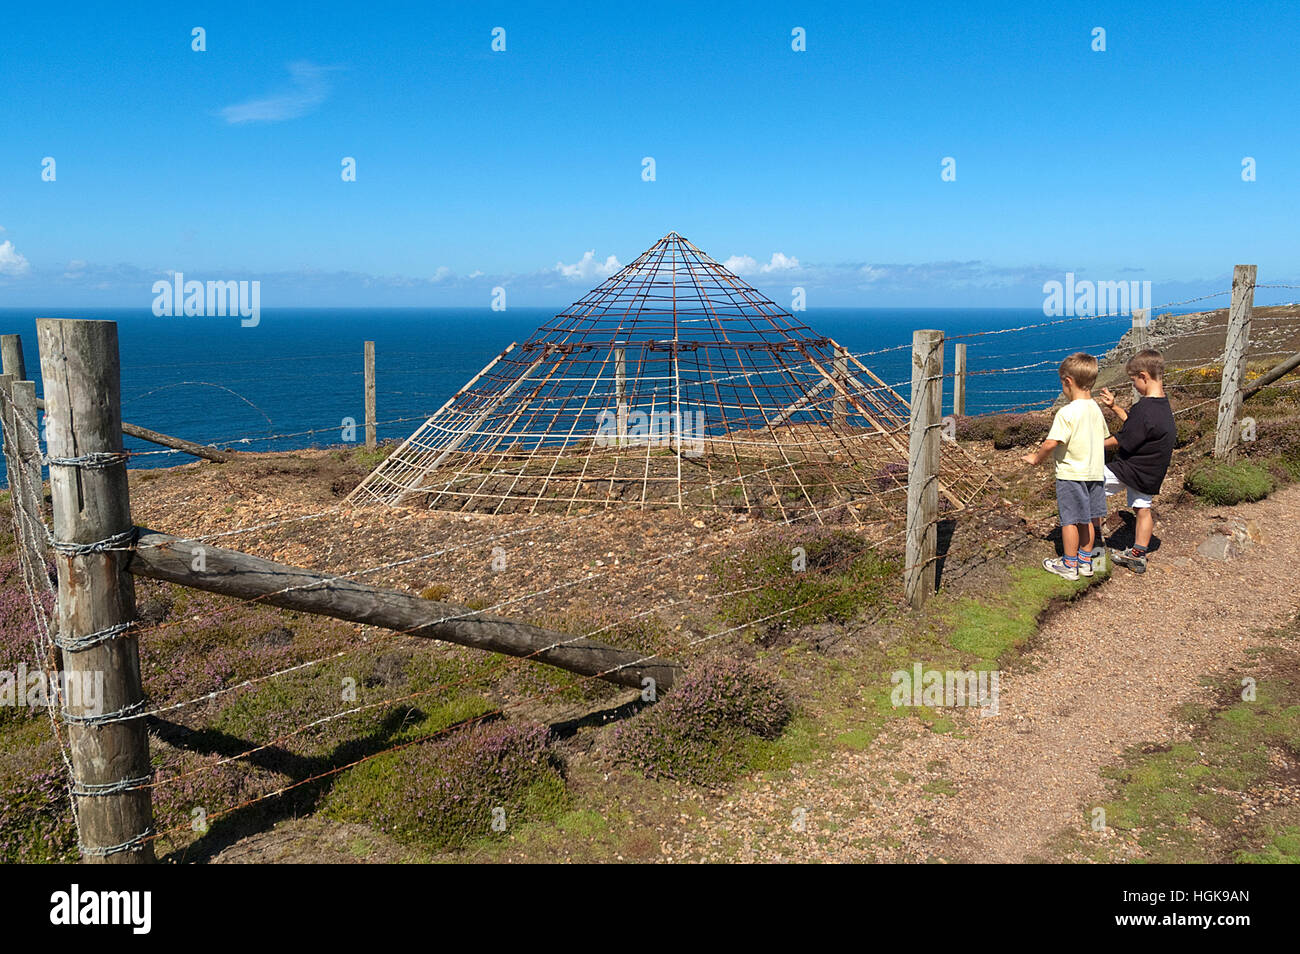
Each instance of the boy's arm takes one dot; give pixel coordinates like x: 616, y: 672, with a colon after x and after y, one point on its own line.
x: 1111, y: 443
x: 1044, y: 449
x: 1107, y: 400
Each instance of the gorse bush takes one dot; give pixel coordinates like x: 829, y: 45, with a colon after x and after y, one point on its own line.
x: 1228, y: 484
x: 703, y: 730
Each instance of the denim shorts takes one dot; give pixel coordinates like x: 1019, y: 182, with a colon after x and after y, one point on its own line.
x: 1080, y: 501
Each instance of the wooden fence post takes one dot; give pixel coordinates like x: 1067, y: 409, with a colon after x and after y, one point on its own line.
x: 11, y: 357
x: 93, y: 533
x: 12, y: 368
x: 621, y: 409
x: 923, y: 467
x: 1234, y: 361
x: 1141, y: 340
x: 8, y: 431
x: 25, y: 472
x: 370, y: 394
x: 959, y: 381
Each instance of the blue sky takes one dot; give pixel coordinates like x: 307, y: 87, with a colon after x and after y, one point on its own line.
x: 478, y: 168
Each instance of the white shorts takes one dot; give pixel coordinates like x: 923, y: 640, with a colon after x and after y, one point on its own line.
x: 1136, y: 499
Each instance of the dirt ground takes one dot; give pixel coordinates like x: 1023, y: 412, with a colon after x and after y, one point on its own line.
x: 1102, y: 676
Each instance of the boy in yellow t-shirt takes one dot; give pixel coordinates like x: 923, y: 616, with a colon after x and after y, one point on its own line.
x: 1077, y: 441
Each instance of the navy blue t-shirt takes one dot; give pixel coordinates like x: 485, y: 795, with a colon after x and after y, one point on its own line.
x: 1146, y: 443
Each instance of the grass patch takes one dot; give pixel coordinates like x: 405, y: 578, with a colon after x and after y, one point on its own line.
x: 990, y: 629
x: 1186, y: 803
x: 1225, y: 484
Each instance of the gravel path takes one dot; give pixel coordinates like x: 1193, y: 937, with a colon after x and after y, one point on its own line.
x: 1097, y: 681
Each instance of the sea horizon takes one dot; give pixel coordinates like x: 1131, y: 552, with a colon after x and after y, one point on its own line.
x: 296, y: 379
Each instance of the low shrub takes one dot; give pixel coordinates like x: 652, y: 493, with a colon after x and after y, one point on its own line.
x: 440, y: 795
x: 1227, y: 484
x: 842, y: 576
x: 36, y: 820
x: 703, y: 730
x: 1004, y: 430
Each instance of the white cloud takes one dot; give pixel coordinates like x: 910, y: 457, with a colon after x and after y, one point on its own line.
x: 11, y: 263
x: 588, y: 267
x: 310, y: 89
x: 746, y: 265
x: 740, y: 265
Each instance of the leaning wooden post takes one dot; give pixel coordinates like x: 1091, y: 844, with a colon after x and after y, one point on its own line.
x: 93, y: 534
x: 923, y: 467
x: 959, y: 380
x: 370, y: 394
x: 1234, y: 360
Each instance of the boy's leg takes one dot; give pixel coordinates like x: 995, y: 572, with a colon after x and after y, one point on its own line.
x: 1146, y: 525
x: 1072, y: 505
x: 1098, y: 544
x: 1135, y: 557
x: 1084, y: 532
x: 1070, y: 540
x: 1090, y: 531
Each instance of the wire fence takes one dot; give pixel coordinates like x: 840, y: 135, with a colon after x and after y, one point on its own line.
x: 33, y: 535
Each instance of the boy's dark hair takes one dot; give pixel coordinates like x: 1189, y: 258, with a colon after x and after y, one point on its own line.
x: 1149, y: 361
x: 1081, y: 368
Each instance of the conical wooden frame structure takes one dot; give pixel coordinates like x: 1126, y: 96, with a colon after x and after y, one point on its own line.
x: 673, y: 383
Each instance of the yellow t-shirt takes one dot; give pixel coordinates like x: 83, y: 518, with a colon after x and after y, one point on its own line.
x: 1081, y: 430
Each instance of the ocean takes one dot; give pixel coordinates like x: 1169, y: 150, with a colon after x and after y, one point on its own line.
x: 290, y: 381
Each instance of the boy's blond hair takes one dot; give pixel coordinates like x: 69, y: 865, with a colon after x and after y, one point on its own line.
x: 1149, y: 361
x: 1081, y: 368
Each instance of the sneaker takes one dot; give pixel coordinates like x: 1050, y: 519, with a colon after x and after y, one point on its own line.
x: 1138, y: 564
x: 1085, y: 567
x: 1058, y: 566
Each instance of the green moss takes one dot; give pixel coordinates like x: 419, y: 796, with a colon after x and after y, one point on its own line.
x: 1168, y: 797
x: 990, y: 628
x: 1283, y: 848
x: 1227, y: 484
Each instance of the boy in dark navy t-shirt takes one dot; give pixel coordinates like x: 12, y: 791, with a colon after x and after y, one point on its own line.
x: 1144, y: 446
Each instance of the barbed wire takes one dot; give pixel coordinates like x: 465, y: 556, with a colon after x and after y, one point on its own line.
x: 579, y: 580
x: 501, y: 710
